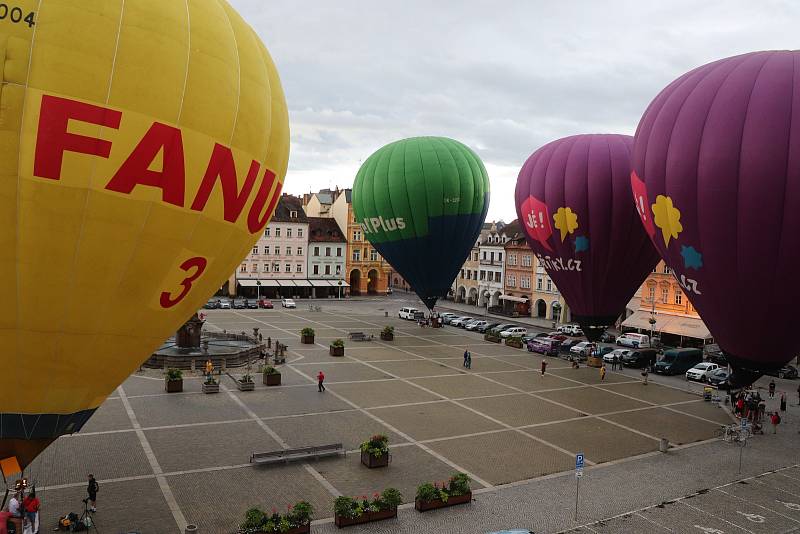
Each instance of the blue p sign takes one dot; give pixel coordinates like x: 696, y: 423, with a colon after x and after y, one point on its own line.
x: 579, y: 461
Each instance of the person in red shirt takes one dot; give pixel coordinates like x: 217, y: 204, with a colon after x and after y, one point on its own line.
x: 31, y: 505
x: 740, y: 406
x: 320, y: 380
x: 544, y: 366
x: 775, y: 419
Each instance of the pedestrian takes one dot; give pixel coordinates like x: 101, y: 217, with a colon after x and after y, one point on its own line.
x: 31, y: 505
x: 544, y: 366
x: 469, y: 360
x: 320, y: 380
x: 644, y: 376
x: 92, y: 490
x: 602, y: 373
x: 772, y: 389
x: 783, y: 403
x: 775, y: 419
x: 466, y: 356
x: 614, y: 361
x: 15, y: 511
x: 740, y: 406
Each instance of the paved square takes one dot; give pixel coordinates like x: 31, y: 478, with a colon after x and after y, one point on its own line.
x: 385, y: 393
x: 521, y: 410
x: 592, y: 400
x: 455, y: 387
x: 661, y: 423
x: 435, y: 420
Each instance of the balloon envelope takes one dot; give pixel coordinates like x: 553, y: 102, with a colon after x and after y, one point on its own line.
x: 142, y: 150
x: 573, y: 201
x: 716, y: 167
x: 421, y: 203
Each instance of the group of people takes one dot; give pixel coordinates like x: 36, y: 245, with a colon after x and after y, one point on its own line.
x: 749, y: 404
x: 467, y: 359
x: 22, y: 510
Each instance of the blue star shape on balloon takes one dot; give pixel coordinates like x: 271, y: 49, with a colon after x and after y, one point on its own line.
x: 581, y: 243
x: 691, y: 258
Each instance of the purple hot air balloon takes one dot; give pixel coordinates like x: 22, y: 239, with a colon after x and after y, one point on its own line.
x: 573, y: 199
x: 716, y: 175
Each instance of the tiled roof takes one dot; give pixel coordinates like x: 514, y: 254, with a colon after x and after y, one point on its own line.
x: 286, y: 205
x: 324, y: 229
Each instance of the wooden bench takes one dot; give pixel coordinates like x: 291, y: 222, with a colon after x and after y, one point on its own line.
x: 302, y: 453
x: 360, y: 336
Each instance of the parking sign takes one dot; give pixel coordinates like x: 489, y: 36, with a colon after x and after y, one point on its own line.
x: 579, y: 461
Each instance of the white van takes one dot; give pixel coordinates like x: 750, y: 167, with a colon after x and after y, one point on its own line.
x: 571, y: 329
x: 407, y: 313
x: 637, y: 341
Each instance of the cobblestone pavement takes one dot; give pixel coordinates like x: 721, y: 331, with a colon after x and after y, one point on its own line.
x: 164, y: 460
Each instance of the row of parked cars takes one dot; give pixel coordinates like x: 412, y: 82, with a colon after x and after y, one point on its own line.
x: 245, y: 304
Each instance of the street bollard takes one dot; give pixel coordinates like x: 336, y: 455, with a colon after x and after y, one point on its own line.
x: 190, y: 529
x: 663, y: 445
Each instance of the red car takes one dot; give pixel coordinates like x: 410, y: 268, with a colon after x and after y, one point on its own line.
x: 265, y: 303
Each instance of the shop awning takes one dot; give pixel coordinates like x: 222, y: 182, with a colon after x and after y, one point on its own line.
x: 513, y: 298
x: 319, y: 283
x: 252, y: 283
x: 335, y: 283
x: 687, y: 327
x: 302, y: 283
x: 641, y: 319
x: 286, y: 283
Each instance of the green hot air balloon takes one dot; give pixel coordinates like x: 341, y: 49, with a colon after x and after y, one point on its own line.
x: 421, y: 203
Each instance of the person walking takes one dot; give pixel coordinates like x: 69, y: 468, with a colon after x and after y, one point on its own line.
x: 644, y: 376
x: 614, y: 363
x: 740, y: 406
x: 775, y: 419
x: 783, y: 403
x: 602, y: 373
x: 469, y: 360
x: 466, y: 357
x: 31, y: 504
x: 92, y: 490
x: 772, y: 389
x: 544, y: 366
x: 320, y: 380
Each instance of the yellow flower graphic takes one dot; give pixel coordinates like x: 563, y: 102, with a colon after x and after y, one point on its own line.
x: 668, y: 218
x: 566, y: 221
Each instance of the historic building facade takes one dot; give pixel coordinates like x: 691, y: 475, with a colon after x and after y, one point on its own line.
x: 327, y: 254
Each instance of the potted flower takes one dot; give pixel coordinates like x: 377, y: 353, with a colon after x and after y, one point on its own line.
x: 375, y: 451
x: 246, y: 383
x: 387, y: 334
x: 493, y: 336
x: 337, y: 348
x: 514, y: 341
x: 210, y: 385
x: 356, y: 510
x: 173, y: 382
x: 271, y: 376
x: 297, y: 520
x: 454, y: 491
x: 307, y: 336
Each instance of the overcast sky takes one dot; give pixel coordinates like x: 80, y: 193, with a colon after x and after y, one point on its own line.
x: 502, y: 77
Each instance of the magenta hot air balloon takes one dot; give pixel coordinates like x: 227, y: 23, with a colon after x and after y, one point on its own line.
x: 573, y: 199
x: 716, y: 176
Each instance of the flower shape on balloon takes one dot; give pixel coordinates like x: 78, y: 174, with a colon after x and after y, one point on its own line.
x: 667, y: 218
x: 566, y: 221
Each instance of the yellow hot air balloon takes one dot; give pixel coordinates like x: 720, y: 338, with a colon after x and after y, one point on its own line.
x: 143, y: 146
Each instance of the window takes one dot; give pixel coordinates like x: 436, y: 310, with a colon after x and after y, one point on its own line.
x: 243, y: 268
x: 288, y: 250
x: 316, y: 251
x: 266, y: 249
x: 652, y: 293
x: 327, y: 269
x: 512, y: 259
x: 266, y: 232
x: 277, y: 232
x: 299, y: 232
x: 373, y: 255
x: 255, y: 249
x: 500, y: 257
x: 483, y: 275
x: 496, y: 277
x: 664, y: 295
x: 289, y: 231
x: 525, y: 283
x: 338, y: 269
x: 287, y: 268
x: 327, y: 251
x: 483, y: 255
x: 667, y: 270
x: 265, y: 267
x: 549, y: 285
x: 511, y: 281
x: 678, y: 297
x: 491, y: 257
x: 356, y: 255
x: 356, y: 235
x: 298, y: 268
x: 292, y: 215
x: 338, y: 252
x: 462, y: 274
x: 526, y: 260
x: 539, y: 283
x: 276, y: 267
x: 254, y: 268
x: 299, y: 251
x: 316, y: 269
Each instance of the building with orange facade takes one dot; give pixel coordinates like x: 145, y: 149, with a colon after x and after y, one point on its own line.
x: 516, y: 297
x: 665, y: 312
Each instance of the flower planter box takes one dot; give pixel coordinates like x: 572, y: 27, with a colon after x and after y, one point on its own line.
x: 513, y: 343
x: 372, y: 461
x: 493, y: 339
x: 210, y: 388
x: 272, y: 380
x: 366, y: 517
x: 302, y: 529
x: 245, y: 386
x: 424, y: 506
x: 307, y: 340
x: 173, y: 386
x: 337, y: 351
x: 387, y: 337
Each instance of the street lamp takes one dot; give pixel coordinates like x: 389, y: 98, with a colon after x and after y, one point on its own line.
x: 258, y: 291
x: 556, y: 313
x: 340, y: 290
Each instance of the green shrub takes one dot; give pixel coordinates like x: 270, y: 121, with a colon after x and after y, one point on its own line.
x: 337, y: 343
x: 388, y: 330
x: 269, y: 370
x: 391, y: 497
x: 307, y: 331
x: 174, y: 374
x: 377, y: 445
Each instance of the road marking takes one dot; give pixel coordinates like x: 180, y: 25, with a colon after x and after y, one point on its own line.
x: 683, y: 502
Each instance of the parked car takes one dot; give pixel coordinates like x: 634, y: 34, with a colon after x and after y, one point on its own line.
x: 616, y: 353
x: 557, y: 335
x: 288, y: 303
x: 640, y: 358
x: 516, y: 331
x: 584, y: 348
x: 266, y: 304
x: 502, y: 326
x: 720, y: 379
x: 460, y: 321
x: 568, y: 343
x: 634, y: 340
x: 607, y: 338
x: 544, y: 345
x: 787, y: 371
x: 713, y: 353
x: 407, y: 313
x: 701, y: 371
x: 240, y: 304
x: 571, y: 329
x: 446, y: 317
x: 471, y: 322
x: 212, y: 304
x: 252, y: 304
x: 475, y: 325
x: 224, y: 304
x: 677, y: 361
x: 488, y: 326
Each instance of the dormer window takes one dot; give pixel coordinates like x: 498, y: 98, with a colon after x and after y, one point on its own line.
x: 293, y: 214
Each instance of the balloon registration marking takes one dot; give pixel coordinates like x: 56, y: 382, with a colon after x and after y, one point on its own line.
x: 755, y: 518
x: 199, y: 264
x: 15, y: 15
x: 566, y: 220
x: 560, y: 264
x: 668, y: 218
x: 710, y: 530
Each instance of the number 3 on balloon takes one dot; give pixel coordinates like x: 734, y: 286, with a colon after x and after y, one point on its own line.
x: 197, y: 263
